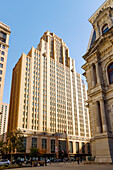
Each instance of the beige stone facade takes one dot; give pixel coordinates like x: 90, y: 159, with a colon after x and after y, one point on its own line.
x: 4, y: 45
x: 4, y: 120
x: 99, y: 75
x: 47, y: 95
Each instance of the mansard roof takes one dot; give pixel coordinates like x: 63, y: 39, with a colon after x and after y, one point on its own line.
x: 98, y: 42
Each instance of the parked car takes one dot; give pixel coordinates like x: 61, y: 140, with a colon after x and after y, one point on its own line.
x: 52, y: 159
x: 48, y: 161
x: 73, y: 159
x: 5, y: 162
x: 55, y: 160
x: 17, y: 161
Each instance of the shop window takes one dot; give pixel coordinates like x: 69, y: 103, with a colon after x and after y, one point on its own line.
x: 52, y: 146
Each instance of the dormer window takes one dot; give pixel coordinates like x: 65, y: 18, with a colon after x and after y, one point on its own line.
x: 105, y: 28
x: 110, y: 73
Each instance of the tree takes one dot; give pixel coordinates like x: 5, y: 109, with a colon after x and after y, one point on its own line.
x: 3, y: 148
x: 34, y: 152
x: 15, y: 141
x: 41, y: 152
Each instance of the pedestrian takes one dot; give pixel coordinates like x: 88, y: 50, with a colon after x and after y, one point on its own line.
x: 78, y: 160
x: 45, y: 162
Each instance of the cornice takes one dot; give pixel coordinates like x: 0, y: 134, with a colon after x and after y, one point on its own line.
x: 106, y: 4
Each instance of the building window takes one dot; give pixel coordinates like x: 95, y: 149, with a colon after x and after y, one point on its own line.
x: 3, y: 36
x: 0, y: 71
x: 34, y: 142
x: 105, y: 28
x: 88, y: 147
x: 110, y: 73
x: 77, y: 147
x: 62, y: 145
x: 52, y: 146
x: 25, y: 143
x: 83, y: 147
x: 0, y: 79
x: 2, y: 52
x: 71, y: 147
x: 2, y: 59
x: 94, y: 74
x: 1, y: 65
x: 3, y: 46
x: 44, y: 143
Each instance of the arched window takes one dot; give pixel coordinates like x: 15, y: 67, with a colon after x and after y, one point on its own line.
x: 94, y: 74
x: 110, y: 73
x: 105, y: 28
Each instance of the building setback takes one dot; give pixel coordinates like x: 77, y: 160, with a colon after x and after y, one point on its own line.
x: 4, y: 45
x: 48, y: 98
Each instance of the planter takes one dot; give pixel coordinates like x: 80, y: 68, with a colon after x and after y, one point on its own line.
x: 41, y: 163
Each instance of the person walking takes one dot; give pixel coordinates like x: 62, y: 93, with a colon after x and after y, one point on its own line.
x: 78, y: 160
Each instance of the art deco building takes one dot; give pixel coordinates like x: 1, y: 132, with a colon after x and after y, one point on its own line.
x: 4, y: 45
x: 48, y: 98
x: 99, y: 73
x: 4, y: 119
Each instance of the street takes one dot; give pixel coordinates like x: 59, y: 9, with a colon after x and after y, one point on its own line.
x: 70, y: 166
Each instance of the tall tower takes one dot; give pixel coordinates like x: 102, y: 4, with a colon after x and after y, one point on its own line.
x: 4, y: 45
x: 99, y: 74
x: 47, y: 95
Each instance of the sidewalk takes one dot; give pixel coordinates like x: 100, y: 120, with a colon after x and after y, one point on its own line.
x: 70, y: 166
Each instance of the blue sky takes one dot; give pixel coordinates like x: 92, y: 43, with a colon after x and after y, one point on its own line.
x: 29, y: 19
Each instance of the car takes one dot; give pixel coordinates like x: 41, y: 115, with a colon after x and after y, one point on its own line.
x: 48, y: 161
x: 5, y: 162
x: 73, y: 159
x: 55, y: 160
x: 17, y: 161
x: 52, y: 159
x: 60, y: 160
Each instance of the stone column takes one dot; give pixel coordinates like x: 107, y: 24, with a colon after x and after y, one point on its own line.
x: 103, y: 115
x: 97, y: 31
x: 93, y: 76
x: 97, y: 118
x: 98, y: 73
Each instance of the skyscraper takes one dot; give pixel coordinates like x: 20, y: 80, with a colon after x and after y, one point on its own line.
x: 4, y: 45
x: 4, y: 119
x: 47, y: 95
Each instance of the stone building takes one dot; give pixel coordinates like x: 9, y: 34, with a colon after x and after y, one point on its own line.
x: 47, y: 99
x: 99, y: 74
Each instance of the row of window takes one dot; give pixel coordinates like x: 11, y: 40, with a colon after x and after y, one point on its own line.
x: 109, y: 71
x: 62, y: 145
